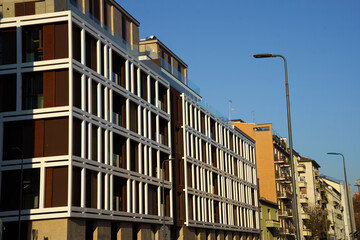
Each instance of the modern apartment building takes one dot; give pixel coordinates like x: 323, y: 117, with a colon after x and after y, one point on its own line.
x: 89, y: 126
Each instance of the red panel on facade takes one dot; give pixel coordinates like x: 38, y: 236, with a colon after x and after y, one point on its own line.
x: 56, y: 137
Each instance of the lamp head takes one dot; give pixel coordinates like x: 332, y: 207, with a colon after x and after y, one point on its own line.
x: 263, y: 55
x: 333, y: 153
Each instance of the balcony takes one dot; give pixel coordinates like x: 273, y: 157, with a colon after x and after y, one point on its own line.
x: 305, y: 216
x: 287, y: 231
x: 283, y: 177
x: 272, y: 224
x: 302, y: 183
x: 304, y: 199
x: 284, y: 195
x: 301, y: 168
x: 307, y: 233
x: 285, y: 213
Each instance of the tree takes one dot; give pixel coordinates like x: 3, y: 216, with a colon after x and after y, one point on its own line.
x: 316, y: 223
x: 356, y: 202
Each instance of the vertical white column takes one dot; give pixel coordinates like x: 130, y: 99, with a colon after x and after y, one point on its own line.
x: 98, y: 60
x: 42, y: 187
x: 70, y: 131
x: 83, y: 188
x: 99, y: 190
x: 127, y: 75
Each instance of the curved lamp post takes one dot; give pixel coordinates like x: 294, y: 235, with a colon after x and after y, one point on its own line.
x: 295, y: 209
x: 346, y: 191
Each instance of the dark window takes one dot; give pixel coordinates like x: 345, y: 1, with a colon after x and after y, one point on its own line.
x: 56, y: 186
x: 163, y: 131
x: 94, y: 98
x: 7, y: 46
x: 153, y: 126
x: 152, y: 200
x: 76, y: 42
x: 118, y: 69
x: 133, y: 117
x: 106, y: 14
x: 10, y: 185
x: 152, y: 91
x: 143, y: 82
x: 135, y: 83
x: 119, y: 189
x: 94, y: 10
x: 7, y: 93
x: 94, y: 143
x: 162, y: 97
x: 91, y: 52
x: 31, y: 186
x: 134, y: 156
x: 32, y: 85
x: 91, y: 189
x: 77, y: 137
x: 76, y: 187
x: 119, y: 156
x: 119, y: 108
x: 32, y: 43
x: 77, y: 89
x: 123, y: 29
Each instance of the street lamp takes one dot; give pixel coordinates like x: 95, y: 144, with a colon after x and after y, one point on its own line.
x: 21, y: 188
x: 296, y: 220
x: 163, y: 195
x: 346, y: 191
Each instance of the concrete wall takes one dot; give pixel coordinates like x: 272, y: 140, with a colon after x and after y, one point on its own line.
x: 264, y: 158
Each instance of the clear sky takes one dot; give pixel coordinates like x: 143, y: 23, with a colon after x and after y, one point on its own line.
x: 321, y: 41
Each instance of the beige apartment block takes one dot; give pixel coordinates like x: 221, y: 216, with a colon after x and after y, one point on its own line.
x: 309, y: 172
x: 335, y: 210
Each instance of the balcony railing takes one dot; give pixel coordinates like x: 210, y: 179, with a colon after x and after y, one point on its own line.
x: 287, y: 231
x: 303, y: 198
x: 284, y: 195
x: 272, y: 223
x: 285, y: 213
x: 305, y: 216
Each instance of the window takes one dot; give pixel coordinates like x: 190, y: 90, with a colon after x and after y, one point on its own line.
x: 32, y: 43
x: 7, y: 93
x: 7, y: 46
x: 119, y: 110
x: 134, y: 117
x: 33, y: 90
x: 91, y: 52
x: 76, y: 43
x: 119, y: 190
x: 118, y: 69
x: 119, y: 155
x: 91, y: 189
x: 11, y: 186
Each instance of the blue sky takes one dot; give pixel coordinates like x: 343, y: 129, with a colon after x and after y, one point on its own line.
x: 321, y: 41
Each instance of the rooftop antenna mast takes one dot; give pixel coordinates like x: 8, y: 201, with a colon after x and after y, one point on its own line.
x: 230, y: 109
